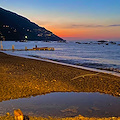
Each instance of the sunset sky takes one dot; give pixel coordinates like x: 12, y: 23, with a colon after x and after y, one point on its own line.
x: 72, y: 19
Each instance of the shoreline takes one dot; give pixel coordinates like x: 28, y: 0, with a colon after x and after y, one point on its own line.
x: 67, y: 64
x: 109, y: 64
x: 24, y: 77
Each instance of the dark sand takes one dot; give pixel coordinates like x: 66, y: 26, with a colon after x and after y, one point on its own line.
x: 22, y: 77
x: 7, y: 117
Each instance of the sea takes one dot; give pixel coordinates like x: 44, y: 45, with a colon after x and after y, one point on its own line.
x: 88, y: 54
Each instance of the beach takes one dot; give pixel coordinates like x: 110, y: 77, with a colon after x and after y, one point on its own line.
x: 23, y: 77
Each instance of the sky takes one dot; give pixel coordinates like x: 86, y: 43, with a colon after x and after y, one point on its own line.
x: 72, y: 19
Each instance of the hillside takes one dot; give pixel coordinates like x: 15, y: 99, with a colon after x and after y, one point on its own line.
x: 14, y: 27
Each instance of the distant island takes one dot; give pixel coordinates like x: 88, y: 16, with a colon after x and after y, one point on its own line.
x: 14, y: 27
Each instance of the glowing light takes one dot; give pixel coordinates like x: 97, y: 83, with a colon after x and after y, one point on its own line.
x: 26, y: 37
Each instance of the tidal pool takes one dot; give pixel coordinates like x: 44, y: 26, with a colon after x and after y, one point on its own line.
x: 68, y: 104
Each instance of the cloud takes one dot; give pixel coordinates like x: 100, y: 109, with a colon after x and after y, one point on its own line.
x: 80, y: 25
x: 114, y: 25
x: 90, y: 26
x: 64, y: 25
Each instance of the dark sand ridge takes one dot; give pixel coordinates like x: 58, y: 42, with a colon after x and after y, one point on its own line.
x: 22, y: 77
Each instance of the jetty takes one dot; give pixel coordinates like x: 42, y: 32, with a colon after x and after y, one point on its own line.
x: 33, y: 49
x: 26, y: 49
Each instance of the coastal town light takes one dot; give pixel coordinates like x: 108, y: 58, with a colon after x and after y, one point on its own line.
x: 26, y: 37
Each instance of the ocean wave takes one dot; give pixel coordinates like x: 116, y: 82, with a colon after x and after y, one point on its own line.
x: 107, y: 67
x: 99, y: 66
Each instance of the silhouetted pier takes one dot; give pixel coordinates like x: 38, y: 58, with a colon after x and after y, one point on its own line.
x: 33, y: 49
x: 26, y: 49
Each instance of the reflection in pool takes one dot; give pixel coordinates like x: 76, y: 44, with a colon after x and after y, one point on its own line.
x: 65, y: 105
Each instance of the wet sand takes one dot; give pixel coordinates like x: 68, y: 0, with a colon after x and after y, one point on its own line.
x: 23, y: 77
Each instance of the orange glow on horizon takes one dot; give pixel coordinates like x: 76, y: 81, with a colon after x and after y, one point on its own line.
x: 85, y: 33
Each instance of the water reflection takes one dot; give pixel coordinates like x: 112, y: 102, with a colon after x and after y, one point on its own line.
x: 65, y: 105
